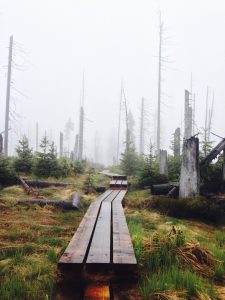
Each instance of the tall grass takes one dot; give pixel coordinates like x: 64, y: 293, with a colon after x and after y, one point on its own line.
x: 137, y: 233
x: 52, y: 256
x: 174, y: 278
x: 220, y: 238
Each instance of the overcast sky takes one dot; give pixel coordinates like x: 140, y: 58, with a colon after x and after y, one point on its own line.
x: 55, y: 41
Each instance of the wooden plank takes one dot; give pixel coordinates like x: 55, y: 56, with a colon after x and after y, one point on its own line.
x: 112, y: 182
x: 123, y: 252
x: 77, y: 248
x: 99, y: 252
x: 120, y: 197
x: 124, y: 183
x: 118, y: 182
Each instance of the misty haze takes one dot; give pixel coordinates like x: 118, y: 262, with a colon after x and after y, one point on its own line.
x: 112, y: 149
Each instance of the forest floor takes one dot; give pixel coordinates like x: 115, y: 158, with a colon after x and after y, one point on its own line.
x: 33, y: 238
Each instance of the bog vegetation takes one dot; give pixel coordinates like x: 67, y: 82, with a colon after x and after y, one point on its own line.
x: 179, y: 244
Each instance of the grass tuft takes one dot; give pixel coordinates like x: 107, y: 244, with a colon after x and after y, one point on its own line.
x: 52, y: 256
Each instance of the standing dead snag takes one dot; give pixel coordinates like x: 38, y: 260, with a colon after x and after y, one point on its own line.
x: 7, y: 109
x: 1, y: 144
x: 187, y: 116
x: 189, y: 178
x: 176, y: 143
x: 163, y: 164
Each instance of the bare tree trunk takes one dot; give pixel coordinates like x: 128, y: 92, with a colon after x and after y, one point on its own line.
x: 159, y: 88
x: 142, y: 128
x: 61, y: 145
x: 6, y: 142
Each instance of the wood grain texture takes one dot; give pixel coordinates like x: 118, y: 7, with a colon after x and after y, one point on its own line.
x: 77, y: 248
x: 99, y: 252
x: 123, y: 252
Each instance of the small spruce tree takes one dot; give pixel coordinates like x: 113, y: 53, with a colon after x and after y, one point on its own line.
x: 23, y: 162
x: 130, y: 162
x: 46, y: 161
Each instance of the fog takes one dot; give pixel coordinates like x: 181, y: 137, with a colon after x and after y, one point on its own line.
x: 57, y: 43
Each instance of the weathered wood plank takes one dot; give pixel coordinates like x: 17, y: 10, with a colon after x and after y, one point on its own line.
x: 118, y: 183
x: 123, y: 252
x: 99, y: 252
x: 77, y: 248
x: 113, y: 182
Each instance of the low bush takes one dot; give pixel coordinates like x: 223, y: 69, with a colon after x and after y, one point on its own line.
x: 7, y: 171
x: 196, y: 208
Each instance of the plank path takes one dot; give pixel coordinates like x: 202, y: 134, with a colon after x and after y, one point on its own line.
x: 102, y: 239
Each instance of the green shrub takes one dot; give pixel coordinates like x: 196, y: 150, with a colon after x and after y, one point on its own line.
x: 7, y: 171
x: 196, y: 208
x: 79, y: 167
x: 130, y: 162
x: 149, y: 173
x: 174, y: 166
x: 64, y: 167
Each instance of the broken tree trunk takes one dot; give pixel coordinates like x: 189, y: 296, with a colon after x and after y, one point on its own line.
x: 189, y: 179
x: 213, y: 153
x: 74, y: 204
x: 29, y: 190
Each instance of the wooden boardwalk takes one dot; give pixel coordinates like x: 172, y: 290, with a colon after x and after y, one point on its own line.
x: 102, y: 241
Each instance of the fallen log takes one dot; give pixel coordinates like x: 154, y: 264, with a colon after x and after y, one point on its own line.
x: 100, y: 189
x: 174, y: 192
x: 43, y: 184
x: 29, y: 190
x: 161, y: 189
x: 76, y: 200
x: 70, y: 205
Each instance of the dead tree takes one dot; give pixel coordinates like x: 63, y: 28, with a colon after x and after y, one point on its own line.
x: 81, y: 126
x: 163, y: 163
x: 1, y: 144
x: 159, y: 87
x: 81, y: 134
x: 61, y: 145
x: 6, y: 142
x: 208, y: 124
x: 119, y: 123
x: 37, y: 136
x: 141, y: 147
x: 176, y: 143
x: 187, y: 116
x: 76, y: 147
x: 128, y: 138
x: 190, y: 175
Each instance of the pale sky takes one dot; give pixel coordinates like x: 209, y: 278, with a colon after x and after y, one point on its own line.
x: 110, y: 41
